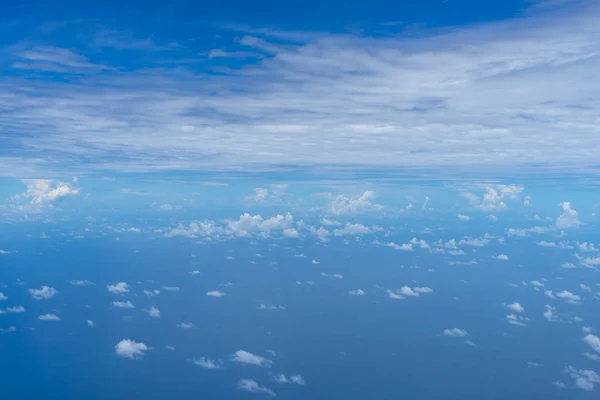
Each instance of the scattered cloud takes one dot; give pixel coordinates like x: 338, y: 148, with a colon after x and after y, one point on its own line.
x: 118, y: 288
x: 244, y: 357
x: 455, y: 332
x: 44, y: 293
x: 252, y: 386
x: 131, y: 349
x: 49, y: 317
x: 208, y: 363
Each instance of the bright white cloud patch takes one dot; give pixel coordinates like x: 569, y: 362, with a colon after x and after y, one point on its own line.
x: 252, y: 386
x: 357, y: 292
x: 584, y: 379
x: 153, y: 312
x: 123, y: 304
x: 454, y: 332
x: 44, y: 293
x: 516, y: 307
x: 215, y: 293
x: 569, y: 217
x: 131, y: 349
x: 244, y: 357
x: 208, y: 363
x: 49, y: 317
x: 118, y: 288
x: 42, y: 194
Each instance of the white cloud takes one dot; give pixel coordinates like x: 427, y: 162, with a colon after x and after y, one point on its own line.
x: 568, y: 296
x: 215, y: 293
x: 90, y: 322
x: 569, y: 217
x: 3, y: 296
x: 208, y: 363
x: 413, y: 292
x: 470, y: 343
x: 465, y: 94
x: 123, y: 304
x: 118, y: 288
x: 152, y: 293
x: 342, y: 205
x: 593, y: 341
x: 454, y: 332
x: 463, y: 217
x: 15, y: 309
x: 475, y: 242
x: 44, y: 293
x: 516, y: 307
x: 49, y: 317
x: 502, y: 257
x: 131, y: 349
x: 153, y: 312
x: 352, y: 230
x: 585, y: 379
x: 294, y: 379
x: 260, y: 194
x: 244, y: 357
x: 536, y: 283
x: 403, y: 247
x: 516, y: 320
x: 195, y: 272
x: 549, y: 314
x: 585, y: 288
x: 171, y: 288
x: 42, y: 194
x: 357, y: 292
x: 252, y: 386
x: 80, y: 283
x: 185, y: 325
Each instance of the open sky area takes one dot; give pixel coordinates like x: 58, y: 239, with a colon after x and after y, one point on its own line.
x: 304, y: 200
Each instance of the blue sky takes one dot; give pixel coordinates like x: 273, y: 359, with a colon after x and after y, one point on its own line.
x: 296, y: 199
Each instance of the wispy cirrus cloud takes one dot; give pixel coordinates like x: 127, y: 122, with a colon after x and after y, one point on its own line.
x: 493, y: 96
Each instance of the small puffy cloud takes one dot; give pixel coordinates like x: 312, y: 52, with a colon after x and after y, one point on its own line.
x: 244, y: 357
x: 585, y: 287
x: 342, y: 205
x: 569, y: 218
x: 395, y: 296
x: 153, y: 312
x: 537, y: 284
x: 463, y: 217
x: 568, y: 296
x: 195, y: 272
x: 593, y: 341
x: 44, y: 293
x: 208, y: 363
x: 403, y: 247
x: 357, y: 292
x: 123, y: 304
x: 559, y: 384
x: 516, y: 320
x: 413, y: 292
x: 185, y: 325
x: 502, y: 257
x: 290, y: 233
x: 152, y: 293
x: 294, y: 379
x: 260, y: 194
x: 549, y: 314
x: 454, y: 332
x: 550, y: 294
x: 90, y: 322
x: 352, y: 230
x: 474, y: 242
x: 130, y: 349
x: 15, y: 309
x: 252, y: 386
x: 470, y: 343
x: 516, y: 307
x: 3, y: 296
x: 585, y: 379
x: 49, y: 317
x: 215, y: 293
x: 80, y: 282
x: 118, y: 288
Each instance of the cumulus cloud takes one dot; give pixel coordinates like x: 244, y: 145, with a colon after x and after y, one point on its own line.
x: 123, y: 304
x: 44, y: 293
x: 593, y: 341
x: 352, y: 230
x: 244, y: 357
x: 42, y: 194
x: 568, y: 296
x: 208, y: 363
x: 15, y: 309
x: 502, y: 257
x: 549, y: 314
x: 463, y: 217
x: 516, y: 320
x: 357, y: 292
x: 584, y: 379
x: 516, y: 307
x: 569, y: 218
x: 252, y: 386
x: 153, y: 312
x: 118, y: 288
x: 455, y: 332
x: 131, y: 349
x: 342, y: 205
x: 49, y: 317
x: 215, y: 293
x: 294, y: 379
